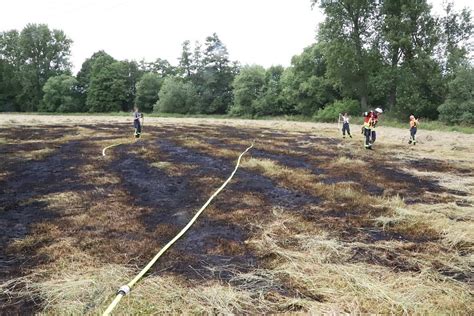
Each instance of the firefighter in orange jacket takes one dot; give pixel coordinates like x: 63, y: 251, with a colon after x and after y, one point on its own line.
x: 370, y: 122
x: 413, y: 129
x: 366, y: 128
x: 375, y: 120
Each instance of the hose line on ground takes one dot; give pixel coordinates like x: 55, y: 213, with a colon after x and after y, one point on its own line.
x: 134, y: 140
x: 113, y: 145
x: 125, y: 289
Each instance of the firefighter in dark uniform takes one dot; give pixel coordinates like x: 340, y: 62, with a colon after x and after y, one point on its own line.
x: 136, y: 122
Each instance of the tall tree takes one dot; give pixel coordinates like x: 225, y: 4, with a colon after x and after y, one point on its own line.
x: 148, y: 89
x: 134, y: 75
x: 10, y: 62
x: 420, y: 84
x: 36, y: 54
x: 108, y: 90
x: 457, y: 31
x: 248, y: 90
x: 348, y: 32
x: 305, y: 87
x: 217, y: 76
x: 9, y: 87
x: 159, y: 66
x: 273, y: 102
x: 44, y: 53
x: 85, y: 73
x: 408, y: 32
x: 177, y: 96
x: 60, y: 94
x: 459, y: 106
x: 185, y: 61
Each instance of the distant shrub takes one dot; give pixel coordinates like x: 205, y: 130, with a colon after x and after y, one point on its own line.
x: 331, y: 112
x: 147, y: 91
x: 459, y: 106
x: 177, y: 96
x: 60, y: 95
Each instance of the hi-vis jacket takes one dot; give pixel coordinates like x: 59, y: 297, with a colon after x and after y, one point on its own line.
x: 375, y: 120
x: 370, y: 120
x: 367, y: 118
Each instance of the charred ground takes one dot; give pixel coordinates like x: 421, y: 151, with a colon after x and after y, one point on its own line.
x: 62, y: 203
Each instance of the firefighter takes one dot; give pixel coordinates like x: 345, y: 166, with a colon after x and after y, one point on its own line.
x: 366, y: 129
x: 345, y: 126
x: 413, y: 129
x: 375, y: 120
x: 136, y: 122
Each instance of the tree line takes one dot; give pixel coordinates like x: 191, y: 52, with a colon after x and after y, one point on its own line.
x: 394, y: 54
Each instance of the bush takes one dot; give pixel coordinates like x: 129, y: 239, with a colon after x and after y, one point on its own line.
x: 248, y: 90
x: 148, y: 89
x: 331, y: 112
x: 453, y: 112
x: 60, y: 95
x: 459, y: 106
x: 177, y: 96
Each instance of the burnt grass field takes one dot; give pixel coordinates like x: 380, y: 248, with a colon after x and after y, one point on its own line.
x: 311, y: 222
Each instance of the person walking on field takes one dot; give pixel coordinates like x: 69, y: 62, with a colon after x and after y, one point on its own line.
x: 413, y: 129
x: 345, y: 125
x: 366, y: 129
x: 370, y: 122
x: 136, y: 121
x: 375, y: 120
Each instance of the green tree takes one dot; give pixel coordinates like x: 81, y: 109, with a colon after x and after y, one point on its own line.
x: 60, y: 95
x: 248, y: 90
x: 9, y: 87
x: 422, y: 89
x: 177, y: 96
x: 185, y: 61
x: 10, y: 63
x: 159, y: 66
x: 347, y: 34
x: 459, y: 106
x: 457, y: 30
x: 44, y: 53
x: 134, y: 75
x: 273, y: 102
x: 217, y: 76
x: 108, y: 90
x: 408, y: 38
x: 85, y: 73
x: 305, y: 87
x: 148, y: 89
x: 36, y: 54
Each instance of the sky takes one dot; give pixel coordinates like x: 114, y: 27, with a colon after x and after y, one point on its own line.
x: 264, y: 32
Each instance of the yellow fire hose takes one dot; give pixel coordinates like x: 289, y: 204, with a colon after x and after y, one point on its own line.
x: 125, y: 289
x: 118, y: 144
x: 122, y: 143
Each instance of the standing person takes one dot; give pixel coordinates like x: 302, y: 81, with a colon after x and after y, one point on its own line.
x: 413, y: 129
x: 136, y: 121
x: 345, y: 125
x: 375, y: 120
x: 366, y: 128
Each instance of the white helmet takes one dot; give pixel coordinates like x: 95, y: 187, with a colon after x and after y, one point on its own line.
x: 378, y: 110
